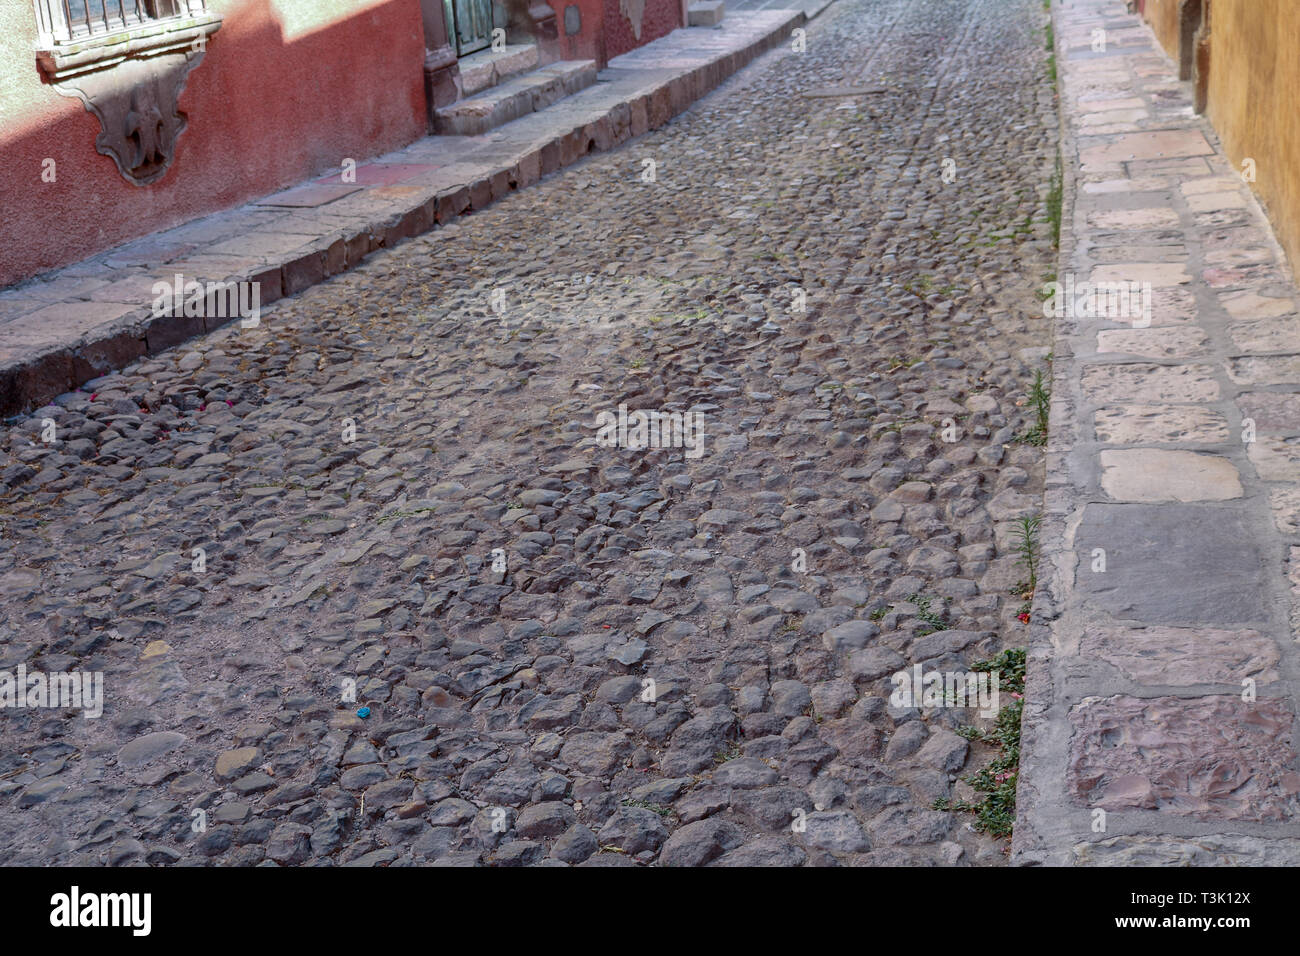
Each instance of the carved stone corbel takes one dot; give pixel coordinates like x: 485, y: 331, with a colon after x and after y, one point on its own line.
x: 131, y: 82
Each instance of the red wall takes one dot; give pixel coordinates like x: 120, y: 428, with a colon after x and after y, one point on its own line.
x: 287, y: 90
x: 589, y: 42
x: 660, y: 18
x: 606, y: 32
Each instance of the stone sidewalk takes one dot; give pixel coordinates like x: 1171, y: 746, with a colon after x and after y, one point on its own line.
x: 810, y: 8
x: 67, y: 327
x: 1160, y: 723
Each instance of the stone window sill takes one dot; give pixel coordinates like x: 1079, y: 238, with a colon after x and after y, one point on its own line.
x: 62, y: 60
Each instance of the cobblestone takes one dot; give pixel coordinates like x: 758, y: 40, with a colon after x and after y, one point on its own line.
x: 412, y: 612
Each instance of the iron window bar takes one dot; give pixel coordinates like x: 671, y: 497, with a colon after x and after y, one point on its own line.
x: 69, y: 20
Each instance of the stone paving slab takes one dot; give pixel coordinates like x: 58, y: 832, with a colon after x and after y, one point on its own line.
x: 1215, y: 758
x: 64, y: 328
x: 1170, y: 564
x: 1160, y: 720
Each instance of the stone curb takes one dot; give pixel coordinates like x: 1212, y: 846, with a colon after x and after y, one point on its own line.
x: 1036, y: 722
x: 37, y: 375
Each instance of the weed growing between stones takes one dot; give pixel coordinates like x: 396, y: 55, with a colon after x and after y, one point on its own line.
x: 995, y: 814
x: 663, y: 811
x: 1027, y: 534
x: 1040, y: 401
x: 727, y: 754
x: 1046, y: 292
x: 1056, y: 194
x: 1051, y: 63
x: 933, y: 620
x: 399, y: 514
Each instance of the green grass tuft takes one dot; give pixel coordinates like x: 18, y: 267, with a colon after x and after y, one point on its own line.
x: 1056, y: 195
x: 1040, y: 403
x: 995, y: 814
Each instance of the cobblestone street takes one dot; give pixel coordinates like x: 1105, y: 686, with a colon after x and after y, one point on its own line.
x: 568, y: 653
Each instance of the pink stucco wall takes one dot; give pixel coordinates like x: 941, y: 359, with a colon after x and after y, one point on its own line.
x: 659, y: 18
x: 589, y: 42
x: 606, y: 30
x: 287, y: 90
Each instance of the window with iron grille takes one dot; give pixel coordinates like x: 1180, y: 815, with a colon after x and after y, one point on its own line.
x: 127, y: 62
x: 66, y: 21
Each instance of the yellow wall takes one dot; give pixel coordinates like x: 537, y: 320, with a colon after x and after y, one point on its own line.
x: 1254, y: 102
x: 1253, y: 96
x: 1163, y: 17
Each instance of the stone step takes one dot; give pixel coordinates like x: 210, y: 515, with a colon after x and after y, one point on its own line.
x: 486, y: 68
x: 515, y: 97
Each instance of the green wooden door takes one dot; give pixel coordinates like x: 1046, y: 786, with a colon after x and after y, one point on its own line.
x: 470, y: 24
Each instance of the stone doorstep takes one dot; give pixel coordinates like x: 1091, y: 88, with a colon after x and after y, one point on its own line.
x: 527, y: 93
x: 37, y: 372
x: 487, y: 68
